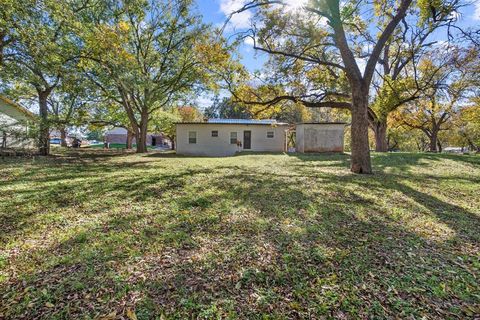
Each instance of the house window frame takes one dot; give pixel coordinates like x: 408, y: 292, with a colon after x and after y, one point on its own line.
x: 272, y: 134
x: 214, y: 133
x: 233, y: 140
x: 192, y: 140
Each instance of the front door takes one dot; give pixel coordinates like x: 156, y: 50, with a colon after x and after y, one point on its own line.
x: 247, y: 139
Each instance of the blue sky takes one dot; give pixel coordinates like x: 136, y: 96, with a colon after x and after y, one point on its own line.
x: 216, y: 11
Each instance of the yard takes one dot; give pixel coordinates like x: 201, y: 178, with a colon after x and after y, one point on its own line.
x: 96, y: 234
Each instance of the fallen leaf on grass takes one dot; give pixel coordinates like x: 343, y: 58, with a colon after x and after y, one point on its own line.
x: 111, y: 316
x: 131, y: 314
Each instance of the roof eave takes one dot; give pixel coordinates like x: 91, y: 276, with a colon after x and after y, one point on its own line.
x: 18, y: 107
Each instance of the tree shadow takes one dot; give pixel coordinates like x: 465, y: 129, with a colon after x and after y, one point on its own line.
x: 230, y: 241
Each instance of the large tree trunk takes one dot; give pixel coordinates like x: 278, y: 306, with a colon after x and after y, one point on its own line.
x: 4, y: 139
x: 472, y: 146
x: 63, y: 137
x: 380, y: 130
x: 129, y: 139
x: 359, y: 132
x: 142, y: 134
x: 433, y: 141
x: 44, y: 133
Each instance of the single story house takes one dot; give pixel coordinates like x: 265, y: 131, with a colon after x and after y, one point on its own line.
x: 15, y: 123
x: 224, y: 137
x: 119, y: 136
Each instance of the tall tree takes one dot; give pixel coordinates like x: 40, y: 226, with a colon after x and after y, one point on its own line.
x: 468, y: 125
x: 330, y: 37
x: 396, y: 81
x: 41, y: 48
x: 443, y: 100
x: 69, y: 105
x: 148, y: 55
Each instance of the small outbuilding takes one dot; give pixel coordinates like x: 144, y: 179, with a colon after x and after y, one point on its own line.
x: 224, y: 137
x: 319, y: 137
x: 120, y: 135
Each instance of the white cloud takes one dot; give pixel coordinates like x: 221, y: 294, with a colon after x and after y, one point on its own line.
x: 238, y: 20
x: 476, y: 14
x: 362, y: 63
x: 242, y: 20
x: 292, y: 5
x: 249, y: 41
x: 204, y: 101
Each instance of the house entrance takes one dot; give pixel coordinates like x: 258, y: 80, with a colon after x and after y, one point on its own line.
x: 247, y: 139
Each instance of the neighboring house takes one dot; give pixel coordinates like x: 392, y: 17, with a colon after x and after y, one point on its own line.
x: 15, y: 123
x: 223, y: 137
x: 119, y: 136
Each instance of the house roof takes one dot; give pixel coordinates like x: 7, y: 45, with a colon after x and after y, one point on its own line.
x: 14, y: 110
x: 239, y: 121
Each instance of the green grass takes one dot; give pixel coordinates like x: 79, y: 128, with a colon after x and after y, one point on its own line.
x: 96, y: 234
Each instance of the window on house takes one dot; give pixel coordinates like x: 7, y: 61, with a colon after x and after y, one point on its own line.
x: 233, y: 137
x: 270, y: 134
x: 192, y: 137
x: 214, y: 133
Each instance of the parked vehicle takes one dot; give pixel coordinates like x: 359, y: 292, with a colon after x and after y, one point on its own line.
x: 55, y: 141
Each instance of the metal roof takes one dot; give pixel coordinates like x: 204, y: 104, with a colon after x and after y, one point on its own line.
x: 243, y: 121
x: 238, y: 121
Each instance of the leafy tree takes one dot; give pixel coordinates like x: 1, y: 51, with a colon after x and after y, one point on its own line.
x: 164, y: 122
x: 108, y: 113
x: 468, y: 125
x: 95, y: 135
x: 69, y: 105
x: 225, y: 108
x: 438, y: 105
x: 189, y: 114
x: 321, y: 45
x: 40, y: 51
x: 147, y: 56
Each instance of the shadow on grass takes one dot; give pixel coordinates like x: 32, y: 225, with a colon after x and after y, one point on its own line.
x: 216, y: 243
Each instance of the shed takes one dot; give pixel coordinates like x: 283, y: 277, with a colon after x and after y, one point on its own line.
x: 320, y: 137
x: 119, y: 136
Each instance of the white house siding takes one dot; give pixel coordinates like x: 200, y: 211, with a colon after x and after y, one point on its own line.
x: 14, y: 126
x: 320, y: 137
x: 206, y: 145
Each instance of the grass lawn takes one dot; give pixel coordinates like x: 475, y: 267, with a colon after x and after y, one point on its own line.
x: 97, y: 234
